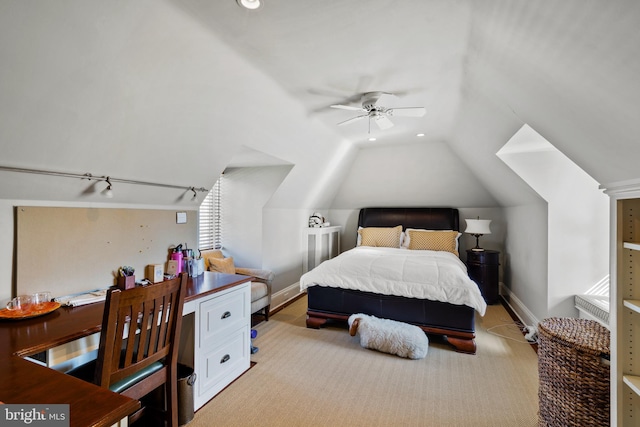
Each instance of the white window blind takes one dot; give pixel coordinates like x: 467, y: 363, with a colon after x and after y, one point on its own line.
x: 210, y: 219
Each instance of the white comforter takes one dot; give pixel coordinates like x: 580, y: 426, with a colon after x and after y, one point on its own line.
x: 433, y: 275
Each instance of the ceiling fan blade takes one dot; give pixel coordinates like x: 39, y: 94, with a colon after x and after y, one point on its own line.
x: 347, y: 107
x: 386, y: 98
x: 383, y: 122
x: 353, y: 119
x: 407, y: 111
x: 328, y: 92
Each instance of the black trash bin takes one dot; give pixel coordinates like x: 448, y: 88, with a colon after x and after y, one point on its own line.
x: 186, y: 378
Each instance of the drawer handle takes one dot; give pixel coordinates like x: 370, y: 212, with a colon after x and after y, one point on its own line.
x: 226, y: 314
x: 225, y: 358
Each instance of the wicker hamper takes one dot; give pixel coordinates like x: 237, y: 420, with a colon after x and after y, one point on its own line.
x: 573, y: 372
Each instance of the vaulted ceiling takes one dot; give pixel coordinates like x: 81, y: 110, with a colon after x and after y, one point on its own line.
x: 153, y: 89
x: 324, y: 53
x: 570, y: 69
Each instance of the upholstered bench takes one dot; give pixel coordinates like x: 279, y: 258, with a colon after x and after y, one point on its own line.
x: 214, y: 260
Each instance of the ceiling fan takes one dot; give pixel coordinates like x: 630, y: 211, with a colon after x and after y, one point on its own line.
x: 378, y: 113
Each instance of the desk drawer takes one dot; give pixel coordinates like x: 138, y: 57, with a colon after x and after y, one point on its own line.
x: 222, y: 314
x: 224, y: 363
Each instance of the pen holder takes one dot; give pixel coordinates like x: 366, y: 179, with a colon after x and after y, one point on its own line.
x: 196, y: 267
x: 126, y: 282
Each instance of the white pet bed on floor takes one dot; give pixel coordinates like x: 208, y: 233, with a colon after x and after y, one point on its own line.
x: 389, y: 336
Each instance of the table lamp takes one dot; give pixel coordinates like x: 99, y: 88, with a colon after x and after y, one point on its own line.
x: 478, y: 227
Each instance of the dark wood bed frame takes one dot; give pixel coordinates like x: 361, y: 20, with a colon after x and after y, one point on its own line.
x: 455, y: 322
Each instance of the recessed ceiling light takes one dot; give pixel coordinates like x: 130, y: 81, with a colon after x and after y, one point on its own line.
x: 420, y: 134
x: 372, y: 139
x: 250, y: 4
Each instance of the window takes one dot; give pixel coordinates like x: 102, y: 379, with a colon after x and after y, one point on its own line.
x: 210, y: 219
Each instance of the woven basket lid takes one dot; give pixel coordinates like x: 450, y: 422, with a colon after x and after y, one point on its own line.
x: 587, y: 335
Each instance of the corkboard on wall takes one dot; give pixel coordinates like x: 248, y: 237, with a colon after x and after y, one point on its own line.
x: 71, y: 250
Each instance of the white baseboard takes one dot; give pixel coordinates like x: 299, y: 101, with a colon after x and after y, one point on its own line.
x: 282, y: 296
x: 521, y: 310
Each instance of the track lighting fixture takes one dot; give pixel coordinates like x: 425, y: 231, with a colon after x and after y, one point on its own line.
x: 108, y: 191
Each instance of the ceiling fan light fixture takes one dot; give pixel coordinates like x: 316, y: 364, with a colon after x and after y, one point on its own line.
x: 378, y: 113
x: 250, y: 4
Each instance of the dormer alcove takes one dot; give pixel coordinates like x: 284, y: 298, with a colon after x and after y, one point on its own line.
x: 578, y: 220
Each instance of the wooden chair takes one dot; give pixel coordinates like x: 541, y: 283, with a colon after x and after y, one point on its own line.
x: 135, y: 358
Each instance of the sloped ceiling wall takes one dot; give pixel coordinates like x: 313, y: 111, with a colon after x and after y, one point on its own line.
x: 145, y: 91
x: 567, y: 69
x: 137, y: 91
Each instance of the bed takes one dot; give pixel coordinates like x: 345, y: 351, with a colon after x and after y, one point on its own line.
x: 333, y: 293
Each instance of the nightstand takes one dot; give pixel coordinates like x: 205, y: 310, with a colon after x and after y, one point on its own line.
x: 483, y: 269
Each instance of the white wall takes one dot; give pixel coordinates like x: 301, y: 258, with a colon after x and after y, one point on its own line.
x: 282, y: 244
x: 260, y: 237
x: 425, y: 173
x: 245, y: 193
x: 578, y: 218
x: 526, y: 266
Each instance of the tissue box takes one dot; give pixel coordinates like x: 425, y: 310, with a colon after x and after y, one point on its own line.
x: 155, y: 273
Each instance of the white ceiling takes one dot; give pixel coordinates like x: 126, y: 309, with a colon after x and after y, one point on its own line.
x: 569, y: 69
x: 329, y: 52
x: 176, y: 90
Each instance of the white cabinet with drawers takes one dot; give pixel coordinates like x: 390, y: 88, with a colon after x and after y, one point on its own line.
x: 219, y: 326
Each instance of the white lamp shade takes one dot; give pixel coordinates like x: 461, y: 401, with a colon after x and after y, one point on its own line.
x: 478, y: 226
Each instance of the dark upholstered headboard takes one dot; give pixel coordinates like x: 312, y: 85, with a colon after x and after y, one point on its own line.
x: 425, y: 218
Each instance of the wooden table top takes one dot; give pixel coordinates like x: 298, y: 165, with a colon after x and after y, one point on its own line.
x: 25, y: 382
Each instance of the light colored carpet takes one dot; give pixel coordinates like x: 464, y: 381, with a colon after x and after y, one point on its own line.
x: 308, y: 377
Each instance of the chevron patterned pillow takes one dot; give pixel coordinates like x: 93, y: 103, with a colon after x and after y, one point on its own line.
x: 388, y: 237
x: 433, y: 240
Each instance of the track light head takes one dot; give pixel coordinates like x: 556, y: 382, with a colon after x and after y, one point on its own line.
x: 107, y: 192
